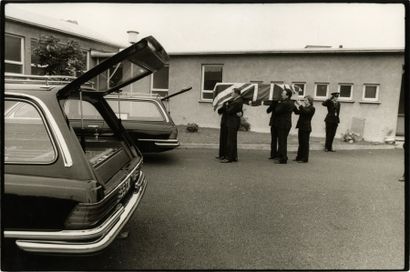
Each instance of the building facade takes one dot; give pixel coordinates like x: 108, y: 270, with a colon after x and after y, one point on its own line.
x: 369, y: 82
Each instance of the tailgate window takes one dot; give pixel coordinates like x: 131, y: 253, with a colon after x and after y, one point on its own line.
x: 26, y: 135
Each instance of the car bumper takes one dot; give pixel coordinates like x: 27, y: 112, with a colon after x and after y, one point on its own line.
x: 162, y: 143
x: 81, y: 241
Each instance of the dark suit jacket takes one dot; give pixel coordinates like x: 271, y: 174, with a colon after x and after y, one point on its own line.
x: 271, y: 109
x: 333, y: 110
x: 305, y: 116
x: 232, y: 119
x: 222, y: 110
x: 283, y: 112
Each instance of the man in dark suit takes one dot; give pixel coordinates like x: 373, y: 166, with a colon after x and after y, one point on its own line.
x: 273, y: 131
x: 223, y: 132
x: 233, y: 121
x: 305, y: 112
x: 283, y: 112
x: 332, y: 119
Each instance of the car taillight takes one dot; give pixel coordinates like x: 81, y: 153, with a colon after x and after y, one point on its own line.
x: 174, y: 133
x: 84, y: 216
x: 87, y: 215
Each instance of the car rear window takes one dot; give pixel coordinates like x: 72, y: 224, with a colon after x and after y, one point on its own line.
x: 26, y: 136
x: 137, y: 110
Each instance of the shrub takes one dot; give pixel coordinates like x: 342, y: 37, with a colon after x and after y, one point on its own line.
x: 244, y: 126
x: 192, y: 127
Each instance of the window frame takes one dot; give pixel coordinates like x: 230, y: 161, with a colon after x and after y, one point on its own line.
x: 48, y: 131
x: 153, y: 90
x: 351, y: 91
x: 376, y: 99
x: 203, y: 66
x: 21, y: 54
x: 327, y: 90
x: 304, y: 87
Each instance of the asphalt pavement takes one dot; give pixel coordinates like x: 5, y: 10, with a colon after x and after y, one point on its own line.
x: 342, y: 210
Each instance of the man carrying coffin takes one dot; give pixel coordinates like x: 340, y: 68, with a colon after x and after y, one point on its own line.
x: 233, y: 121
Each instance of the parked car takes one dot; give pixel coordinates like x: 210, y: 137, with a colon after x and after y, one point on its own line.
x: 66, y: 191
x: 145, y: 118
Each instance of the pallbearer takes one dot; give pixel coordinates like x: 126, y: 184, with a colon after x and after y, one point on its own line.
x: 305, y: 111
x: 233, y: 121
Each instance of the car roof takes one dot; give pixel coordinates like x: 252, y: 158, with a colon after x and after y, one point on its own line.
x: 28, y: 87
x: 32, y: 88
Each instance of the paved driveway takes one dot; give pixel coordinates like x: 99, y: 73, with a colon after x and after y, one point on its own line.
x: 342, y: 210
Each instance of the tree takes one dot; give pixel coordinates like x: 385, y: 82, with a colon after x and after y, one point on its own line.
x: 57, y: 58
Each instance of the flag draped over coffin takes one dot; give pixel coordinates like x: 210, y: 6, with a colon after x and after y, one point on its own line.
x: 254, y: 94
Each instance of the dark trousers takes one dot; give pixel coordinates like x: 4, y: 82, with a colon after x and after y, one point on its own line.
x: 330, y: 134
x: 231, y: 152
x: 283, y: 144
x: 273, y: 142
x: 303, y: 149
x: 222, y: 140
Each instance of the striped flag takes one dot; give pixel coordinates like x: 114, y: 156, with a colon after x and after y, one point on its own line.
x: 254, y: 94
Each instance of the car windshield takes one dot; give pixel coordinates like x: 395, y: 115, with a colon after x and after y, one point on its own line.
x: 143, y: 110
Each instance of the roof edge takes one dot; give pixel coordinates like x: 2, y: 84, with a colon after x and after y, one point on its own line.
x: 296, y: 51
x: 63, y: 31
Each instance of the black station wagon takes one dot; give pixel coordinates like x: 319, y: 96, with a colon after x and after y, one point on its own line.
x: 66, y: 190
x: 145, y: 118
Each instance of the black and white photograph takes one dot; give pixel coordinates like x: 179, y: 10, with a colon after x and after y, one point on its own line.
x: 204, y: 136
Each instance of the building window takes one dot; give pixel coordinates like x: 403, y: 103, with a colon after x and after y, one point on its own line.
x: 160, y: 82
x: 301, y: 85
x: 85, y: 58
x: 321, y: 90
x: 346, y: 91
x: 370, y: 92
x: 211, y: 74
x: 14, y: 54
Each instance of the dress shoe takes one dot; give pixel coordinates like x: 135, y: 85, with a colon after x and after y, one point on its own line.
x: 225, y: 161
x: 273, y: 158
x: 281, y: 162
x: 302, y: 161
x: 326, y: 150
x: 220, y: 157
x: 297, y: 159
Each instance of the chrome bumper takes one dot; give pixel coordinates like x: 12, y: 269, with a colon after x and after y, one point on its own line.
x: 162, y: 143
x: 78, y: 241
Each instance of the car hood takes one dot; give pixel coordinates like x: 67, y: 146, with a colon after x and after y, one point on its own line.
x: 147, y: 55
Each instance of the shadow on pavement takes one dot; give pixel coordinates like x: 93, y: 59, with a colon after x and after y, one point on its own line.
x: 160, y: 158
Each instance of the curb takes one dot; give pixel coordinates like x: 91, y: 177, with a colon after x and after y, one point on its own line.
x: 316, y: 147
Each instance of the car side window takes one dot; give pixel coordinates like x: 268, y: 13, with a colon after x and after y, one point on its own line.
x: 26, y: 135
x: 137, y: 110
